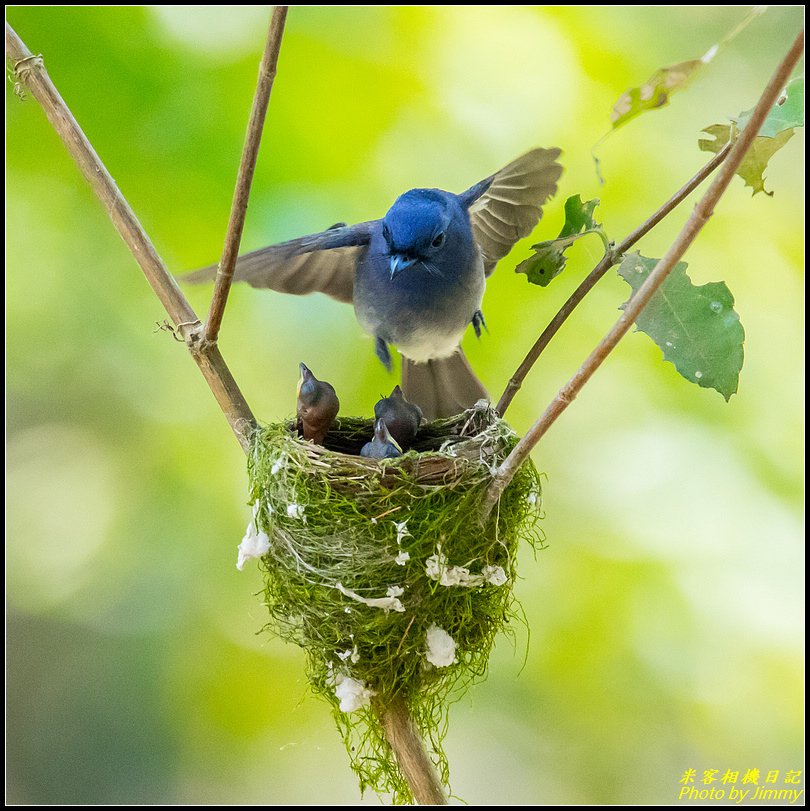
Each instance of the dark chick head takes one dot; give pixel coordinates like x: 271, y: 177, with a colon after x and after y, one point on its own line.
x: 419, y: 227
x: 383, y: 446
x: 317, y: 406
x: 400, y: 417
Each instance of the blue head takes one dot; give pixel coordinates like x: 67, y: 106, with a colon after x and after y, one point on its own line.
x: 427, y: 228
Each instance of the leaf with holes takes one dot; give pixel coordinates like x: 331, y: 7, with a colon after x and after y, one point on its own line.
x: 695, y: 327
x: 549, y: 257
x: 654, y: 93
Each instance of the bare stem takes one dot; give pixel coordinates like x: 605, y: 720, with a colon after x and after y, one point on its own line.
x: 700, y: 216
x: 410, y: 754
x: 30, y: 71
x: 253, y: 138
x: 610, y: 258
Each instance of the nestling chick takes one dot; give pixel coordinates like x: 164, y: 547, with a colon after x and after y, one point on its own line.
x: 383, y: 446
x: 317, y: 406
x: 401, y: 418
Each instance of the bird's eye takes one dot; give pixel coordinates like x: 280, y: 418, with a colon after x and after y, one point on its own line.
x: 386, y: 233
x: 438, y: 240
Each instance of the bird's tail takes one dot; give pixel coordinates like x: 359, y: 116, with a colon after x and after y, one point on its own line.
x: 442, y: 387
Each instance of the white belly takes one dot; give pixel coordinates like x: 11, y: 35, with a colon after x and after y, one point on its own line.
x: 428, y: 344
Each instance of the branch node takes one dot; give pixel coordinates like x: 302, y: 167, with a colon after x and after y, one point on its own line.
x: 193, y: 333
x: 700, y: 216
x: 21, y: 68
x: 567, y: 394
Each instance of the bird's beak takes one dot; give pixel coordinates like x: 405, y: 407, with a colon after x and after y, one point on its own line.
x: 382, y: 434
x: 399, y: 263
x: 305, y: 375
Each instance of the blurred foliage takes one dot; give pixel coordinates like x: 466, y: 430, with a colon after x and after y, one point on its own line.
x: 666, y: 613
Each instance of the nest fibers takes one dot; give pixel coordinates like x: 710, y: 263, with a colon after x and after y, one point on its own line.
x: 383, y: 573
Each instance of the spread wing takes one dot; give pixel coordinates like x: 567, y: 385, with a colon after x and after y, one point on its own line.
x: 506, y: 206
x: 323, y: 263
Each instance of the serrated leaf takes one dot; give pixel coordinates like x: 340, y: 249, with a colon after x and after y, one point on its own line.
x: 549, y: 257
x: 787, y: 113
x: 654, y: 93
x: 695, y: 327
x: 753, y: 166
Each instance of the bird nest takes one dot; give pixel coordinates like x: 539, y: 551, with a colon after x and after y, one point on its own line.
x: 383, y: 573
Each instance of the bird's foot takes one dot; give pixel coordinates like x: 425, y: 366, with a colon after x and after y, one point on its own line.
x: 478, y: 322
x: 383, y: 353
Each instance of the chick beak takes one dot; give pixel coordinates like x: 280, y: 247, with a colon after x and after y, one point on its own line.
x: 305, y: 375
x: 382, y: 435
x: 399, y: 263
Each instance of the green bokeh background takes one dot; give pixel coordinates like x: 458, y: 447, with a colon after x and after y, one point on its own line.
x: 666, y: 613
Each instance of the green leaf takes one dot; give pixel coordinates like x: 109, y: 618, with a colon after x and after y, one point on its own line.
x: 545, y: 265
x: 579, y: 216
x: 549, y: 258
x: 786, y: 114
x: 654, y: 93
x: 695, y: 327
x: 752, y: 169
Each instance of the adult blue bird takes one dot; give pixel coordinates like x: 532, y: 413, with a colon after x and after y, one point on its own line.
x: 417, y: 276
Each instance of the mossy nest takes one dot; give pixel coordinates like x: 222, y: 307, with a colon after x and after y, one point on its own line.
x: 383, y: 572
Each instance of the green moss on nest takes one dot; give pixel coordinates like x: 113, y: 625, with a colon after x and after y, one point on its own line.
x: 338, y: 526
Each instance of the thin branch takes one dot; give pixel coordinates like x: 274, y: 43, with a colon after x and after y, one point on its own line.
x: 410, y: 754
x: 236, y: 222
x: 700, y: 216
x: 30, y: 71
x: 611, y: 258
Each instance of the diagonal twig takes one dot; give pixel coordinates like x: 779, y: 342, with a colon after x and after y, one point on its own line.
x: 247, y: 166
x: 612, y: 257
x: 700, y: 216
